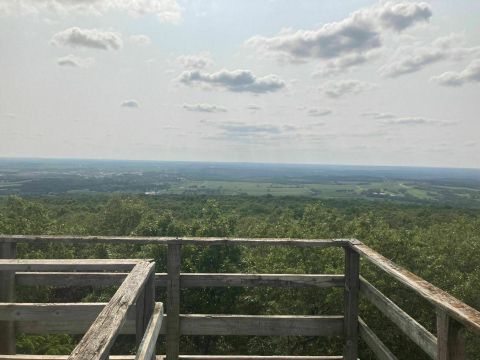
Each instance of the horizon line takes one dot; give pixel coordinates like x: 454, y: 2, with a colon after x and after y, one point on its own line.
x: 237, y: 162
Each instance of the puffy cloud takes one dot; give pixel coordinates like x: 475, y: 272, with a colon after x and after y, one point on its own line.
x: 196, y: 61
x: 412, y: 59
x: 236, y: 80
x: 88, y: 38
x: 316, y: 112
x: 356, y: 35
x: 340, y: 65
x: 74, y: 61
x: 130, y: 104
x: 142, y: 40
x: 399, y: 16
x: 166, y: 10
x: 470, y: 74
x: 208, y: 108
x: 336, y: 89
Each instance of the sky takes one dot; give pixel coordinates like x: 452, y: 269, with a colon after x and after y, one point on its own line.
x: 329, y: 82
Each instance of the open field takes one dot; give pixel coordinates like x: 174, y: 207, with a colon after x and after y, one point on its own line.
x: 44, y: 177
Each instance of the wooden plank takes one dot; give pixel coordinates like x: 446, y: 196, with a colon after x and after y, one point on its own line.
x: 174, y: 240
x: 207, y: 324
x: 256, y: 357
x: 7, y: 294
x: 68, y: 264
x: 187, y: 280
x: 352, y: 285
x: 54, y: 311
x: 147, y: 304
x: 99, y: 338
x: 261, y: 325
x: 374, y: 343
x: 79, y: 327
x: 182, y: 357
x: 273, y: 280
x: 408, y: 325
x: 66, y: 279
x: 173, y: 301
x: 146, y: 350
x: 460, y: 311
x: 451, y: 342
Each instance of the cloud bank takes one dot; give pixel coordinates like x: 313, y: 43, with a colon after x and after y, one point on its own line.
x: 345, y: 43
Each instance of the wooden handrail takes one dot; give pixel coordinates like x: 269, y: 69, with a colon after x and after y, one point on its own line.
x: 139, y: 240
x: 52, y: 318
x: 99, y: 338
x: 466, y: 315
x: 187, y: 280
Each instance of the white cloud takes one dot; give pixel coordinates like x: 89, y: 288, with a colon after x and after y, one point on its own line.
x: 341, y: 64
x: 88, y: 38
x: 355, y: 36
x: 336, y: 89
x: 142, y: 40
x: 399, y: 16
x: 196, y: 61
x: 166, y: 10
x: 316, y: 112
x: 75, y: 61
x: 418, y: 120
x: 378, y: 115
x: 411, y: 59
x: 206, y: 108
x: 236, y: 80
x: 470, y: 74
x: 130, y: 104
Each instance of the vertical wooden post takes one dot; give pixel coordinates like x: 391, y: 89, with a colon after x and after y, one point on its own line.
x: 352, y: 285
x: 8, y: 250
x: 173, y: 301
x: 144, y: 307
x: 450, y: 339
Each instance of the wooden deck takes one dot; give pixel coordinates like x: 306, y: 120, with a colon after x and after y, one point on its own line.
x: 133, y: 310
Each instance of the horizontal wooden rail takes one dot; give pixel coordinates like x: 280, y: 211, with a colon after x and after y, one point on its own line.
x: 261, y: 325
x: 76, y: 318
x: 68, y: 264
x: 52, y: 312
x: 99, y: 338
x: 181, y: 357
x: 172, y: 240
x: 411, y: 328
x: 466, y: 315
x: 374, y: 343
x: 187, y: 280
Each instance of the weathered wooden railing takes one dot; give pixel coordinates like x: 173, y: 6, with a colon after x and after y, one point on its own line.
x: 132, y: 309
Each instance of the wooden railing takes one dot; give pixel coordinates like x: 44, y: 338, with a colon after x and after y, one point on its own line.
x: 132, y: 310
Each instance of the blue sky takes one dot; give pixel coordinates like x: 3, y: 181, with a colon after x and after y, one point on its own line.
x: 347, y: 82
